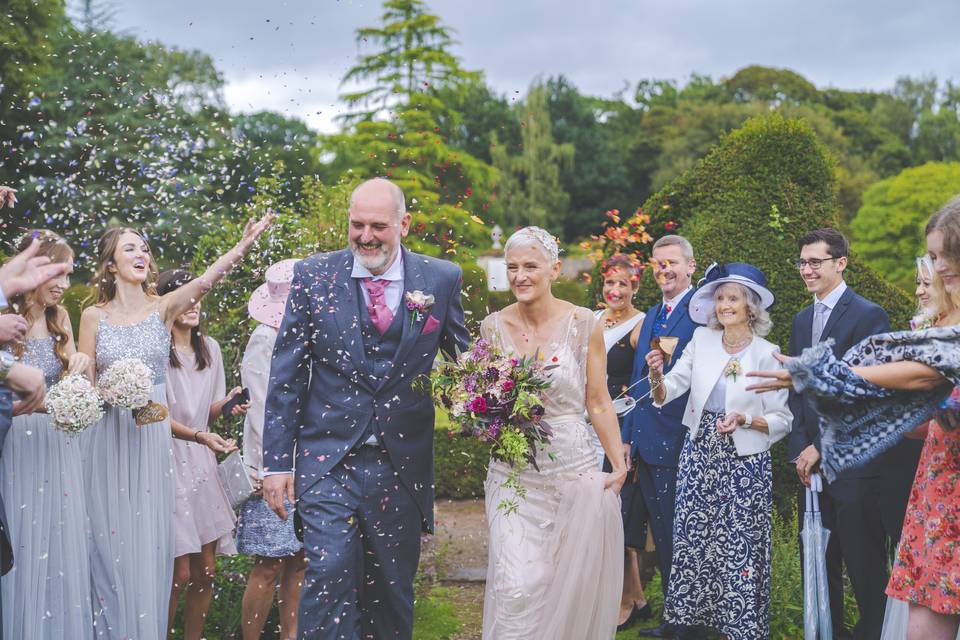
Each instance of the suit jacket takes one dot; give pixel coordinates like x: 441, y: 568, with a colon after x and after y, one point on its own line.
x: 701, y: 366
x: 321, y: 398
x: 852, y: 319
x: 657, y: 433
x: 6, y: 418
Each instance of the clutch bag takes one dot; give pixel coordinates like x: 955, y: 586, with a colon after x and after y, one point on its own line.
x: 235, y: 480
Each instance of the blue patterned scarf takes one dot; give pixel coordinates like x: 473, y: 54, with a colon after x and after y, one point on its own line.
x: 858, y: 419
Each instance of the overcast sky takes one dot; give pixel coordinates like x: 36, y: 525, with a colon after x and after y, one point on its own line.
x: 289, y: 56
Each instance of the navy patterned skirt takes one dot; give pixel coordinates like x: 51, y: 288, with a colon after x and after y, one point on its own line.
x: 720, y: 574
x: 261, y: 532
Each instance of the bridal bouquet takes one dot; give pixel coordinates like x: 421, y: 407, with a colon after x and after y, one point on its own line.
x: 128, y: 383
x: 498, y: 400
x: 73, y: 404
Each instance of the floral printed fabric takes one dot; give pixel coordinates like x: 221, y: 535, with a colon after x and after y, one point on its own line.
x: 720, y: 574
x: 860, y: 420
x: 927, y: 571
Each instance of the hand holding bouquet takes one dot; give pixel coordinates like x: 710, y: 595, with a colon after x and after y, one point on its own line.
x: 73, y: 404
x: 498, y: 400
x: 128, y: 383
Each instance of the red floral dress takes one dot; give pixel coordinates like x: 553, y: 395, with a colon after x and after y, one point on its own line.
x: 927, y: 571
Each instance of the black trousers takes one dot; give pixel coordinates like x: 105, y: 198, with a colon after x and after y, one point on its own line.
x: 865, y: 517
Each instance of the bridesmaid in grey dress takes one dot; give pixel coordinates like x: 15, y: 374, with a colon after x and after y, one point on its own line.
x: 128, y: 481
x: 46, y: 596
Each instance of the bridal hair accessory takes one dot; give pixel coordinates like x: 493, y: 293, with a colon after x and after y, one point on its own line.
x: 535, y: 234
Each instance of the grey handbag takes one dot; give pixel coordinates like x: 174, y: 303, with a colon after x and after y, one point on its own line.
x: 235, y: 480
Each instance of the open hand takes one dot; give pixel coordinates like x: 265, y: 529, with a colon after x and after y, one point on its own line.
x: 255, y: 228
x: 26, y: 271
x: 8, y: 197
x: 775, y: 380
x: 216, y: 443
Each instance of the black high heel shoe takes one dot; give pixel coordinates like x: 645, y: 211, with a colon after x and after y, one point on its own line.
x: 644, y: 612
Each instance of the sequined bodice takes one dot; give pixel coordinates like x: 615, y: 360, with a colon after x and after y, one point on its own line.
x: 148, y: 340
x: 39, y: 353
x: 566, y: 395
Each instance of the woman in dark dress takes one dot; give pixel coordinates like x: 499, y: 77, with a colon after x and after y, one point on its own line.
x: 621, y: 329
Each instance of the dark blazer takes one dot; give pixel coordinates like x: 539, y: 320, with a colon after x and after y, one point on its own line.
x: 320, y: 399
x: 657, y: 434
x: 852, y: 319
x: 6, y: 417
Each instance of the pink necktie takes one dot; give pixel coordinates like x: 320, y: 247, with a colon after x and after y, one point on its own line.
x: 380, y: 313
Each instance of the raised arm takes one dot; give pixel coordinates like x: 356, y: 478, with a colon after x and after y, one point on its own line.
x: 664, y: 389
x: 600, y: 408
x: 178, y: 301
x: 898, y: 376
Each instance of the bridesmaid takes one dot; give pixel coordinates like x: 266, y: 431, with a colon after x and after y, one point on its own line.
x: 128, y: 476
x: 196, y: 389
x: 621, y: 330
x: 47, y: 593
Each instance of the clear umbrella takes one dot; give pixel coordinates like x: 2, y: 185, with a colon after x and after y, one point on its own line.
x: 816, y: 594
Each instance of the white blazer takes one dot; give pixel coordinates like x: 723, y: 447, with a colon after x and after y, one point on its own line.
x: 700, y: 367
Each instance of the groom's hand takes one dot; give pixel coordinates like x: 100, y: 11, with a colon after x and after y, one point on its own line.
x: 276, y: 487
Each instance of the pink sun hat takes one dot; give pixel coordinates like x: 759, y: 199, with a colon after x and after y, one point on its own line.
x: 269, y: 299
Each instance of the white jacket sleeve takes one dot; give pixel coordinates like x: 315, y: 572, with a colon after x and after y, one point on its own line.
x: 255, y: 376
x: 776, y: 410
x: 677, y: 381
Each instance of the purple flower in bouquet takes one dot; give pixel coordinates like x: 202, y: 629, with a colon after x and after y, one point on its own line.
x: 470, y: 384
x: 492, y: 374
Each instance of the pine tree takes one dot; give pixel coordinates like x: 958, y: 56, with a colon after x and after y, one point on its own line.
x: 530, y: 185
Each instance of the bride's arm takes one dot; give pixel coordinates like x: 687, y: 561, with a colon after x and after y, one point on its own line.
x: 600, y: 408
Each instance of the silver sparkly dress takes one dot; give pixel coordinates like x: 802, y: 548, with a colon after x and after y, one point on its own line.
x: 128, y: 479
x: 46, y: 596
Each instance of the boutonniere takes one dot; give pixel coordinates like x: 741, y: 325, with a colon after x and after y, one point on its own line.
x: 418, y: 304
x: 733, y: 369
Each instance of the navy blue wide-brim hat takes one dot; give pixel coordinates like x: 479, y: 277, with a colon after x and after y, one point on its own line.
x: 718, y: 274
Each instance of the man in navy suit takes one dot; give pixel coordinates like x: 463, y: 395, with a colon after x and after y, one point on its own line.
x: 863, y: 508
x: 360, y: 326
x: 656, y: 435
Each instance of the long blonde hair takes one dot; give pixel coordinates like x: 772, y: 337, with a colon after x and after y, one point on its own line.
x: 56, y: 248
x: 104, y: 281
x: 947, y: 222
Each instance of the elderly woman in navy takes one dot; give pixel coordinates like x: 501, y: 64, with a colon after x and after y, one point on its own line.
x: 720, y: 572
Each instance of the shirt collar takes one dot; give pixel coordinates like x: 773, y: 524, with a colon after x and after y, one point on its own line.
x: 833, y: 297
x: 672, y: 302
x: 394, y: 272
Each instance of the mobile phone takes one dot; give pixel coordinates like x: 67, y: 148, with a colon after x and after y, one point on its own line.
x: 241, y: 398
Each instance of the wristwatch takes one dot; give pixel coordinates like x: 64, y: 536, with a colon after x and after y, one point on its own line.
x: 6, y: 363
x: 747, y: 421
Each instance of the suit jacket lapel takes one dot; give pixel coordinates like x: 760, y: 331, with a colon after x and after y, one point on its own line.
x: 347, y: 311
x: 841, y: 308
x: 677, y: 314
x: 805, y: 327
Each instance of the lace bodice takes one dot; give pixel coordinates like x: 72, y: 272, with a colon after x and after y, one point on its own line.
x: 566, y: 395
x: 148, y: 340
x: 39, y: 353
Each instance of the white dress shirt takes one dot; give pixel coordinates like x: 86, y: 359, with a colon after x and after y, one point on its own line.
x: 674, y: 301
x: 831, y: 299
x: 393, y: 292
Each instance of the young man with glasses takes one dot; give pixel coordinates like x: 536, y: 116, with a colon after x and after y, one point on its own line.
x: 864, y: 507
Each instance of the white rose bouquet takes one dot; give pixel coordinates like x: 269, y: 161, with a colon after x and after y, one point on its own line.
x: 128, y: 383
x: 74, y: 404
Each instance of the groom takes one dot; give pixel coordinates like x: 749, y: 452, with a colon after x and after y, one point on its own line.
x: 342, y: 411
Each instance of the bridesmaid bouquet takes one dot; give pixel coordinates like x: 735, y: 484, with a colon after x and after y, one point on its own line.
x: 128, y: 383
x: 497, y: 400
x: 73, y: 404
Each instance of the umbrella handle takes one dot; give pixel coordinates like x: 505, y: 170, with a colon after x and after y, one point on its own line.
x: 816, y: 486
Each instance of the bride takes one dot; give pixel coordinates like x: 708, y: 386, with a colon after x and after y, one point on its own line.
x: 556, y: 564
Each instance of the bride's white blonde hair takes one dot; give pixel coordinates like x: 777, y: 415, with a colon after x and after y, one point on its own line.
x: 534, y: 237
